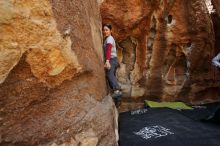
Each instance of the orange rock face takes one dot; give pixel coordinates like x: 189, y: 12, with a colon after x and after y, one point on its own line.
x: 52, y: 76
x: 165, y: 49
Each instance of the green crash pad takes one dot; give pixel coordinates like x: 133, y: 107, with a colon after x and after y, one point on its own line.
x: 173, y: 105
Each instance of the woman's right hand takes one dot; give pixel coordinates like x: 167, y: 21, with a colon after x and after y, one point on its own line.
x: 107, y: 65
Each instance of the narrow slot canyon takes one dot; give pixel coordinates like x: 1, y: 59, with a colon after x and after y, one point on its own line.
x: 175, y: 42
x: 53, y: 87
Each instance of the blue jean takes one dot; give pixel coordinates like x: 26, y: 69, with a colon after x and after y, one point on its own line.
x: 111, y: 74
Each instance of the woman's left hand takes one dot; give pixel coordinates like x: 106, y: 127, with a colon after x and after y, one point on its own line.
x: 107, y: 65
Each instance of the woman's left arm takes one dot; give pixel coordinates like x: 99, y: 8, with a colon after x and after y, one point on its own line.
x: 108, y: 55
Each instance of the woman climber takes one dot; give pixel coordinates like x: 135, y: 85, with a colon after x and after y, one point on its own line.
x: 111, y: 62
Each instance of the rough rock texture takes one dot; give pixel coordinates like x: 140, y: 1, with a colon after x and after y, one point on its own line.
x: 216, y: 23
x: 52, y: 78
x: 165, y: 49
x: 216, y: 4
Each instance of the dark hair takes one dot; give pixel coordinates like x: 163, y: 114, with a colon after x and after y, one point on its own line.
x: 108, y: 25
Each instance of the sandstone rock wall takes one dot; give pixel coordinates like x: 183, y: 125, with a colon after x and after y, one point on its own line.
x: 165, y: 49
x: 216, y: 4
x: 52, y: 78
x: 216, y: 22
